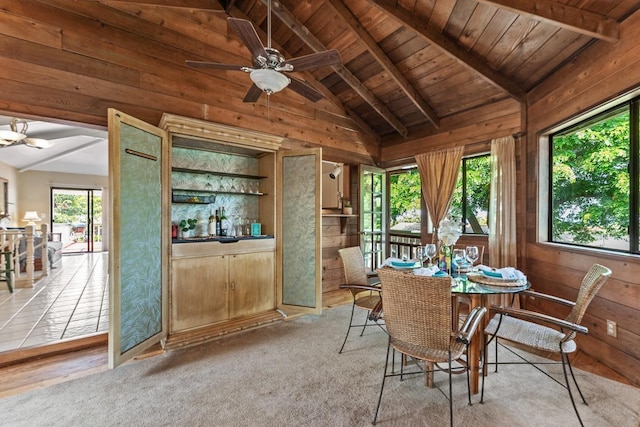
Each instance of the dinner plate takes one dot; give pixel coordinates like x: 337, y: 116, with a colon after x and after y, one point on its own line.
x: 513, y: 287
x: 403, y: 264
x: 495, y: 281
x: 496, y: 276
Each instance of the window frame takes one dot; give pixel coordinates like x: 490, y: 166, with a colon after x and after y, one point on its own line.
x: 633, y: 167
x: 463, y: 180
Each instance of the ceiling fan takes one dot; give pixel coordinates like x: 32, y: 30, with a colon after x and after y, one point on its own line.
x: 269, y: 65
x: 18, y: 135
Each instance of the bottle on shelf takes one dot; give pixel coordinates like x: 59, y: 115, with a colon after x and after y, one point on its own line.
x: 212, y: 223
x: 223, y: 218
x: 218, y: 224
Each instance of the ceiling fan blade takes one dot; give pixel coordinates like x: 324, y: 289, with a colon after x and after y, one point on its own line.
x: 314, y: 60
x: 249, y: 36
x: 305, y: 90
x: 253, y: 94
x: 205, y: 64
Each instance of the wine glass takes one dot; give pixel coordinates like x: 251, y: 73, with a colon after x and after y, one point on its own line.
x: 472, y: 254
x: 430, y: 252
x: 459, y: 256
x: 420, y: 255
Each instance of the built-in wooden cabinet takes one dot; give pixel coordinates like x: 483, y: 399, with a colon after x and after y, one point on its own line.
x: 251, y: 280
x: 214, y: 282
x: 193, y: 289
x: 210, y: 289
x: 198, y: 292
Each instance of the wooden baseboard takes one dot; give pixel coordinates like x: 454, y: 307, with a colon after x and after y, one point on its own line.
x: 38, y: 352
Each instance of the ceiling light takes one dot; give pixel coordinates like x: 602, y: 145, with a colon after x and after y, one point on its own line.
x: 269, y: 81
x: 17, y: 136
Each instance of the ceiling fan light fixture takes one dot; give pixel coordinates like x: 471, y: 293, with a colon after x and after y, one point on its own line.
x: 269, y: 81
x: 17, y: 136
x: 8, y: 137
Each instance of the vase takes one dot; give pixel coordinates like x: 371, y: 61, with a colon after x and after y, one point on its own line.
x: 187, y: 234
x: 347, y: 210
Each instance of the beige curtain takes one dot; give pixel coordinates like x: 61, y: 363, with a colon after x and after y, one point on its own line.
x: 438, y: 174
x: 502, y: 204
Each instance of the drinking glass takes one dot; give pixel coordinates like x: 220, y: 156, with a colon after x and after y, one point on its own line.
x: 472, y: 254
x: 459, y: 257
x: 430, y: 252
x: 420, y: 255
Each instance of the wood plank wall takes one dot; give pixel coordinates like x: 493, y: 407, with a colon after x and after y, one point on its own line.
x: 333, y: 238
x: 472, y: 129
x: 603, y: 72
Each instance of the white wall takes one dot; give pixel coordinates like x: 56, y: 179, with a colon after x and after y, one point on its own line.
x: 34, y: 189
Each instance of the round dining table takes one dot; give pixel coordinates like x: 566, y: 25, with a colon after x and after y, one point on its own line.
x: 478, y: 289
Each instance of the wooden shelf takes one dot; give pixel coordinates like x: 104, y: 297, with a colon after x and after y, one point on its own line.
x: 204, y: 172
x: 343, y: 219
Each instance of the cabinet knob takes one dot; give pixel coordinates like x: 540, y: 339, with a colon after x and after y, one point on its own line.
x: 233, y: 286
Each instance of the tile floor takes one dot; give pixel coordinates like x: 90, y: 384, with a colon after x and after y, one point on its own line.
x: 73, y: 300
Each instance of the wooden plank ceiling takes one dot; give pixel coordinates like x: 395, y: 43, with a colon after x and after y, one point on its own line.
x: 406, y: 64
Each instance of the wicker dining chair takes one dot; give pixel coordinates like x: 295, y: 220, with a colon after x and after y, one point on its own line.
x: 529, y: 329
x: 364, y: 289
x: 417, y: 313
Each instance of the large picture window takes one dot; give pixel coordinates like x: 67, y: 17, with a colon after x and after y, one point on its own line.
x: 470, y: 203
x: 404, y: 201
x: 591, y: 197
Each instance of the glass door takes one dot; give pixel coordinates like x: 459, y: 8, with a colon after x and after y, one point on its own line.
x: 373, y: 223
x: 77, y: 217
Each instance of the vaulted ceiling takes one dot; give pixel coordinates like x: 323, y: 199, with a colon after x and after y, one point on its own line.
x: 408, y: 64
x: 408, y: 68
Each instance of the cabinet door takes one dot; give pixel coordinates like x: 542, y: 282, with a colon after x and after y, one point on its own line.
x: 251, y: 282
x: 138, y: 236
x: 198, y: 292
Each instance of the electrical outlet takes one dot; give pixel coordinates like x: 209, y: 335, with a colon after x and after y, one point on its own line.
x: 612, y: 328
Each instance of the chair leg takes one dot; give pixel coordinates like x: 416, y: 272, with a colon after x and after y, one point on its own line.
x: 353, y: 307
x: 496, y: 339
x: 366, y: 321
x: 451, y: 393
x: 575, y: 381
x: 468, y: 379
x: 384, y: 377
x: 565, y: 359
x: 485, y: 356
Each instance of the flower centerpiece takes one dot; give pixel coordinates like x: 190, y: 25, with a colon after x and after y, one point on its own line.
x: 448, y: 234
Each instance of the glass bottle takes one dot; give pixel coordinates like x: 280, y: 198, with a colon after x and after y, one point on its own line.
x: 218, y: 224
x: 212, y: 223
x: 445, y: 259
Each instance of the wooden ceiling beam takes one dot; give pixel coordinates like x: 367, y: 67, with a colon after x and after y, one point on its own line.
x: 435, y: 37
x: 316, y: 45
x: 384, y: 61
x: 208, y: 5
x: 570, y: 17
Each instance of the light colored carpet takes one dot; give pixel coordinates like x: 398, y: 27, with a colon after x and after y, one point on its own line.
x: 290, y: 374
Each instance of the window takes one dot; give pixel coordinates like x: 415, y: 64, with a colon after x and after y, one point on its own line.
x: 470, y: 203
x: 591, y: 202
x: 405, y: 201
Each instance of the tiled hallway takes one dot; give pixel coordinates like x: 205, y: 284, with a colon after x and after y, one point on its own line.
x: 72, y: 301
